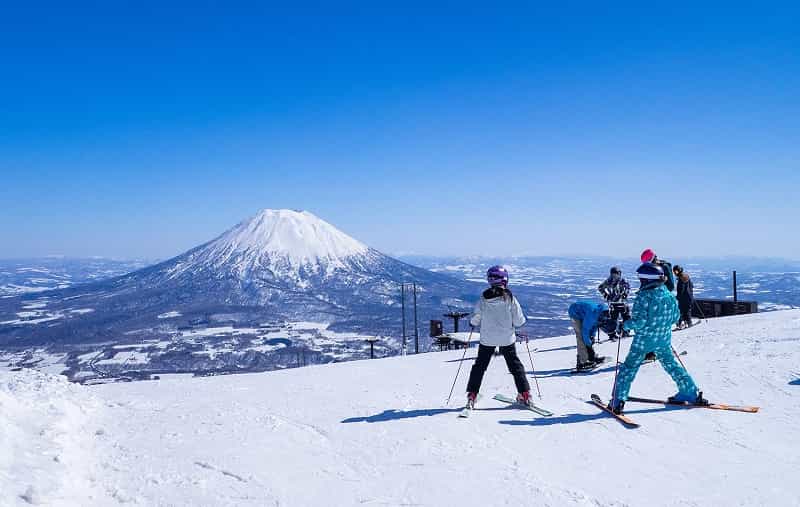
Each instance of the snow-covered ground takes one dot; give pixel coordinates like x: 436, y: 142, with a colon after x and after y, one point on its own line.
x: 379, y: 433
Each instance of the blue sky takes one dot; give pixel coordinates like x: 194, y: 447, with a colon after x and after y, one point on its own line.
x: 143, y: 130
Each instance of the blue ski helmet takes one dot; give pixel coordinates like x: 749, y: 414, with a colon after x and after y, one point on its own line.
x: 650, y: 275
x: 497, y: 275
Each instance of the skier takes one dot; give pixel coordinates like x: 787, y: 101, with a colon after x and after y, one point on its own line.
x: 498, y: 314
x: 615, y: 290
x: 586, y: 317
x: 685, y: 291
x: 654, y: 312
x: 648, y: 255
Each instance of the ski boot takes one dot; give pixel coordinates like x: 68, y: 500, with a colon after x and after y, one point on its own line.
x: 524, y: 398
x: 650, y: 356
x: 471, y: 397
x: 689, y: 399
x: 594, y: 359
x: 587, y: 366
x: 616, y: 406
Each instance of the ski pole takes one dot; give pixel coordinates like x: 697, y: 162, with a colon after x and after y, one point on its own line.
x: 616, y: 372
x: 459, y: 367
x: 530, y: 356
x: 678, y: 357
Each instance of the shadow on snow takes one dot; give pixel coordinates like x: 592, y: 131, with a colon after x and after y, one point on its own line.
x: 394, y: 415
x: 580, y: 418
x: 569, y: 372
x: 459, y: 360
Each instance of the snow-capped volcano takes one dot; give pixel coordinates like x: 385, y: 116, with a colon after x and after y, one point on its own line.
x: 277, y: 266
x: 278, y: 240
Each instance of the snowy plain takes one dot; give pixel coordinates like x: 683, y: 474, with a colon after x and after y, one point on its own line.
x: 379, y: 433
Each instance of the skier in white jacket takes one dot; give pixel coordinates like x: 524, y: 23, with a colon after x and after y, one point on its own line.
x: 498, y: 314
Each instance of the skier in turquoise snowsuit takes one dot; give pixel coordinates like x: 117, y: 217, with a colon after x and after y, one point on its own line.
x: 655, y: 310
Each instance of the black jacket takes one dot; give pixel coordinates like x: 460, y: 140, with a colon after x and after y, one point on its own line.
x: 685, y: 291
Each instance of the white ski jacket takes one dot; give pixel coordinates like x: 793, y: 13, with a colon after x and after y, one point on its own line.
x: 498, y: 318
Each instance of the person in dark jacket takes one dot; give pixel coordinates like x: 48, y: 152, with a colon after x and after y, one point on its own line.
x: 650, y: 256
x: 615, y: 290
x: 685, y: 296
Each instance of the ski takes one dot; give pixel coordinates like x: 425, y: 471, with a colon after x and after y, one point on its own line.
x: 539, y: 410
x: 619, y: 417
x: 713, y: 406
x: 466, y: 411
x: 594, y: 367
x: 694, y: 324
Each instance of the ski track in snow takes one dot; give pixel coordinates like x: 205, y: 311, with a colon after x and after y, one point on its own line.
x: 378, y: 433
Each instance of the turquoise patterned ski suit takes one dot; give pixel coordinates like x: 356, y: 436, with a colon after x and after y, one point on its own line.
x: 654, y: 312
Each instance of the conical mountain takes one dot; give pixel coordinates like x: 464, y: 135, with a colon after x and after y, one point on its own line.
x: 278, y: 265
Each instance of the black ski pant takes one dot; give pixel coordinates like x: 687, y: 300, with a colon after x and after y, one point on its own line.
x: 685, y: 308
x: 617, y: 310
x: 512, y: 361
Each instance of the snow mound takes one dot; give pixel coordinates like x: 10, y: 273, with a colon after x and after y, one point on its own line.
x: 47, y: 441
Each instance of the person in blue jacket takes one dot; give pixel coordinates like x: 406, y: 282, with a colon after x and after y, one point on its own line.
x: 655, y: 310
x: 587, y: 317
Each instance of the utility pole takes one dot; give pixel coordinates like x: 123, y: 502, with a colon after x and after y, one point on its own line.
x: 403, y: 305
x: 416, y: 327
x: 371, y: 340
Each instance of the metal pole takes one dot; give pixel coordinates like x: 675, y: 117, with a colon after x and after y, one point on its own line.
x: 403, y: 305
x: 678, y: 357
x: 459, y: 368
x: 616, y: 373
x: 532, y: 368
x: 735, y: 293
x: 416, y: 327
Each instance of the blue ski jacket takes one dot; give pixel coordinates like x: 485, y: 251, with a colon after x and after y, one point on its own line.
x: 588, y: 312
x: 654, y: 313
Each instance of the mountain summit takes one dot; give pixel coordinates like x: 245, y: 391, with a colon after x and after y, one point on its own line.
x: 297, y: 237
x: 285, y: 242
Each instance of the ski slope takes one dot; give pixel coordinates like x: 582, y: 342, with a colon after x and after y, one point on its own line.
x: 378, y: 433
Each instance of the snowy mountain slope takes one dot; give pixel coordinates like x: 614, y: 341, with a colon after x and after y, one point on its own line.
x: 378, y: 433
x: 277, y: 266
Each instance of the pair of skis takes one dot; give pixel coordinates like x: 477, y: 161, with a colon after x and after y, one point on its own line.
x: 627, y: 421
x: 466, y: 412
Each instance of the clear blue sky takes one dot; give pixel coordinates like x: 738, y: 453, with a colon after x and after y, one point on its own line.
x: 143, y: 130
